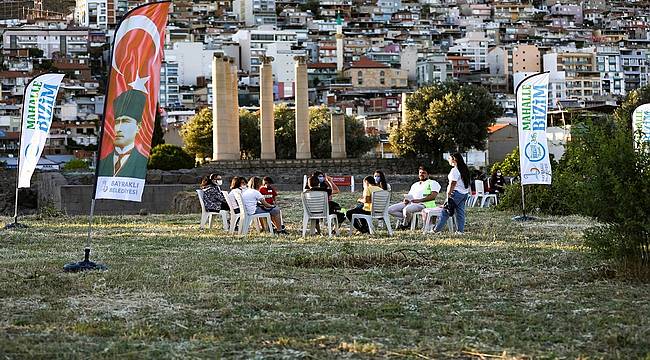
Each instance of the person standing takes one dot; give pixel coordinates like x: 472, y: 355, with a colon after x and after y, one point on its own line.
x: 422, y: 195
x: 457, y: 191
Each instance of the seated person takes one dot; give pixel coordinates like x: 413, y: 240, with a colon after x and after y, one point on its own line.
x: 321, y: 182
x: 369, y: 187
x: 235, y: 186
x: 213, y: 198
x: 497, y: 183
x: 380, y: 180
x: 255, y: 203
x: 212, y: 193
x: 268, y: 190
x: 422, y: 195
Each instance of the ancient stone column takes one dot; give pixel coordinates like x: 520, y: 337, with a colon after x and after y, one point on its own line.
x: 236, y: 149
x: 403, y: 105
x: 338, y: 135
x: 218, y: 80
x: 267, y: 127
x: 221, y: 111
x: 303, y: 150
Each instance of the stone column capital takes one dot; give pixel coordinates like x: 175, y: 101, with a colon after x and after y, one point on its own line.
x: 266, y: 60
x: 300, y: 59
x: 217, y: 55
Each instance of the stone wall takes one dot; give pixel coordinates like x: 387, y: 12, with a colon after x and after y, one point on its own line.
x: 26, y: 197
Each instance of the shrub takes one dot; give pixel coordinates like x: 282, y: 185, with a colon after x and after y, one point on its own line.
x: 509, y: 166
x: 601, y: 176
x: 76, y: 164
x: 169, y: 157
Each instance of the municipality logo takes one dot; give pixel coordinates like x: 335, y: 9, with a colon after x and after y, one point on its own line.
x: 534, y: 150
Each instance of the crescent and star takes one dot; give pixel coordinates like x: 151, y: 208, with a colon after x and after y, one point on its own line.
x: 132, y: 23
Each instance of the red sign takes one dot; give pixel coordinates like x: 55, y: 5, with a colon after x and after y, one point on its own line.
x: 342, y: 180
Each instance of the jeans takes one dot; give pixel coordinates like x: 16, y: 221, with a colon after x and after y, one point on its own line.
x: 459, y: 200
x: 361, y: 225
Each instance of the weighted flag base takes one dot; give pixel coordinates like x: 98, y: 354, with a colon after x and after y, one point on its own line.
x: 84, y: 265
x: 523, y: 218
x: 15, y: 225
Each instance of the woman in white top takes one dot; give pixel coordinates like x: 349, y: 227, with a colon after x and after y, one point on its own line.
x: 457, y: 191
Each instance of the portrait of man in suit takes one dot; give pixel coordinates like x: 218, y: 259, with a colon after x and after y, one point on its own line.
x: 125, y: 160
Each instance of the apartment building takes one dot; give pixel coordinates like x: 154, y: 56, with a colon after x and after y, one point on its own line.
x: 255, y: 12
x: 96, y: 14
x: 66, y: 42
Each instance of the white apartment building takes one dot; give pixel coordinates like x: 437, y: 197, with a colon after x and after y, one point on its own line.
x: 284, y: 68
x: 72, y: 43
x: 386, y: 9
x: 193, y: 61
x: 253, y: 44
x: 97, y: 14
x: 612, y: 79
x: 474, y: 46
x: 169, y: 88
x: 255, y: 12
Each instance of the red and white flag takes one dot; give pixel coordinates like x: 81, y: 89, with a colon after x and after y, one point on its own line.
x: 133, y: 88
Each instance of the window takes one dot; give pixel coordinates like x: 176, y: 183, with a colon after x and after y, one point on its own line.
x: 382, y: 80
x: 360, y: 78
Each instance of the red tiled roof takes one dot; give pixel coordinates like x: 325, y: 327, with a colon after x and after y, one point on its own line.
x: 495, y: 128
x: 365, y: 63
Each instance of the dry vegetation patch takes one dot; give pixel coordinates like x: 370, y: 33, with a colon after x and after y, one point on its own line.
x: 503, y: 290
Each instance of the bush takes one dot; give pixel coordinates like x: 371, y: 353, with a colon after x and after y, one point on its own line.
x: 601, y: 176
x: 76, y: 164
x: 509, y: 166
x: 169, y: 157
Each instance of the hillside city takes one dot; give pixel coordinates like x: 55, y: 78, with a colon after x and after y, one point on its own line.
x: 363, y: 58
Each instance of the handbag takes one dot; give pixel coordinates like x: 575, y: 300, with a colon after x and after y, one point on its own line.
x: 450, y: 206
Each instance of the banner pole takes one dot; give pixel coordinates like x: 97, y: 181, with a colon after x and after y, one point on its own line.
x: 523, y: 200
x: 16, y: 208
x: 90, y: 229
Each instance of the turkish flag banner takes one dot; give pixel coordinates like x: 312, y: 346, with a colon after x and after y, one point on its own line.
x: 129, y: 113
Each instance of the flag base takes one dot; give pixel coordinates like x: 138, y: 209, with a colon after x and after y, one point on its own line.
x: 84, y: 265
x: 15, y: 225
x: 523, y: 218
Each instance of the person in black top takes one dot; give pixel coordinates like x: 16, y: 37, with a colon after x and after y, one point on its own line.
x: 321, y: 182
x: 497, y: 183
x: 213, y: 198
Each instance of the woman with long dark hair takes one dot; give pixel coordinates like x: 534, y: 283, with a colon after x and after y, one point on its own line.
x: 380, y: 180
x: 457, y: 191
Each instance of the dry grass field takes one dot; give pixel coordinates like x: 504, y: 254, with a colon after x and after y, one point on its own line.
x: 503, y: 290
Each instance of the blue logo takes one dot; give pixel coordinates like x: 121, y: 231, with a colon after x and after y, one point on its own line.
x: 534, y: 151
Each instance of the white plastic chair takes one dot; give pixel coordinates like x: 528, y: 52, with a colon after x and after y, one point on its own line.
x: 315, y: 207
x: 429, y: 213
x: 206, y: 216
x: 380, y: 203
x: 245, y: 220
x: 234, y: 217
x: 481, y: 194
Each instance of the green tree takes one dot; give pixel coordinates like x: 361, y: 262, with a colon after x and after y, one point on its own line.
x: 285, y: 131
x: 76, y: 164
x: 445, y: 117
x: 357, y: 143
x: 158, y: 137
x: 634, y: 99
x: 197, y: 134
x: 170, y: 157
x: 249, y: 134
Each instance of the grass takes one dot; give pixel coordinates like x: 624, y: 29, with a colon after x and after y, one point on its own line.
x: 503, y: 290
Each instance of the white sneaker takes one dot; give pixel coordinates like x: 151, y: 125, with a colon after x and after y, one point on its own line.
x: 459, y: 233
